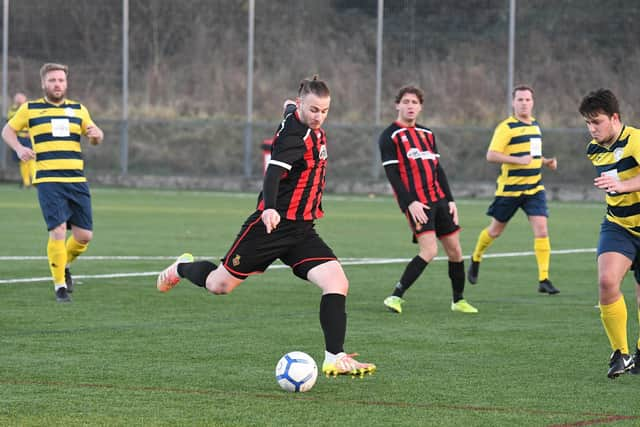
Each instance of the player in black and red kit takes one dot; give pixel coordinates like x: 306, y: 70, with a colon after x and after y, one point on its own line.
x: 412, y: 164
x: 282, y: 227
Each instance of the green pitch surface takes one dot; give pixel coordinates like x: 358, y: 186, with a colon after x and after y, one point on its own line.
x: 124, y: 354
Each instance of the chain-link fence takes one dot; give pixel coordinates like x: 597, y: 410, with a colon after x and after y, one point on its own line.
x: 187, y: 84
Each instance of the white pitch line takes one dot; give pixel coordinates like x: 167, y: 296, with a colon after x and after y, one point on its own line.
x: 343, y: 261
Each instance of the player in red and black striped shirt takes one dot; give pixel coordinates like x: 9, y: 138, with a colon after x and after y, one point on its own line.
x: 282, y: 227
x: 412, y: 164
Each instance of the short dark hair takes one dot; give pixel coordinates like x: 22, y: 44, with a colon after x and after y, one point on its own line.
x: 315, y: 86
x: 521, y: 87
x: 410, y: 89
x: 599, y: 101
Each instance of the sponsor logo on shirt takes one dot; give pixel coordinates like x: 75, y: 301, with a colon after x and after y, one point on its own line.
x: 416, y: 154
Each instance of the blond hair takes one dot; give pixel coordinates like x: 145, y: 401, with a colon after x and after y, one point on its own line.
x: 52, y: 66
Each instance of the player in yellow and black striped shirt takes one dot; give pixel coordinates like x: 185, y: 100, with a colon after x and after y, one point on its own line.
x: 517, y: 145
x: 55, y: 126
x: 615, y: 153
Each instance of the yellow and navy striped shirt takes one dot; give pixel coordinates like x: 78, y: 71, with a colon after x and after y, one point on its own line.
x: 621, y: 159
x: 55, y: 132
x: 516, y: 138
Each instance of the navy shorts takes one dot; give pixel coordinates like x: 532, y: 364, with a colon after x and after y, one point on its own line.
x: 65, y: 202
x: 295, y: 243
x: 504, y: 208
x: 615, y: 238
x: 440, y: 221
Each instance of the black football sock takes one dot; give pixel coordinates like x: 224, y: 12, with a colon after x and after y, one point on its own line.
x: 333, y: 319
x: 196, y: 272
x: 412, y: 271
x: 456, y: 274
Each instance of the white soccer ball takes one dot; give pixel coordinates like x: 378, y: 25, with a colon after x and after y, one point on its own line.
x: 296, y: 371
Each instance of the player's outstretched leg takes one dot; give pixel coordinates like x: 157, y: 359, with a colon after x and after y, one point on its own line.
x: 169, y: 277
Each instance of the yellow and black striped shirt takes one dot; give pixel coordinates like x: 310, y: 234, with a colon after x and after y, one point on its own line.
x: 516, y: 138
x: 621, y: 159
x: 55, y: 132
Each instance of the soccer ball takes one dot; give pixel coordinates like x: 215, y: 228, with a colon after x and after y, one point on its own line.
x: 296, y: 371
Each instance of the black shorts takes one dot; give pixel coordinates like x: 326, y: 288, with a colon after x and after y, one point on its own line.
x: 295, y: 243
x: 440, y: 221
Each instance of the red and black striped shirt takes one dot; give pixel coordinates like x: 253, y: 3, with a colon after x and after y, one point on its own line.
x: 414, y: 151
x: 302, y: 154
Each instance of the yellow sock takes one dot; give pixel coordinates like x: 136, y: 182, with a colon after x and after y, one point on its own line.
x: 542, y: 248
x: 614, y: 320
x: 57, y: 255
x: 74, y: 249
x: 484, y: 241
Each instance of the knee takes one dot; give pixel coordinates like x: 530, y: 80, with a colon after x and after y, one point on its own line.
x: 218, y: 287
x: 338, y: 286
x: 428, y: 254
x: 494, y: 233
x: 455, y: 254
x: 86, y: 237
x: 606, y: 283
x: 83, y: 237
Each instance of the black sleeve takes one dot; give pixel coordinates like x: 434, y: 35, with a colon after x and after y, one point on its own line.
x: 404, y: 197
x: 444, y: 183
x: 270, y: 186
x: 387, y: 149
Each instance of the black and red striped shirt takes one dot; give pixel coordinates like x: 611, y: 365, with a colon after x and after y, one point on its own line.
x: 302, y: 154
x: 413, y: 151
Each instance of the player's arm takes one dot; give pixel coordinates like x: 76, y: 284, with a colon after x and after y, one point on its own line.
x: 392, y: 170
x: 444, y: 184
x: 551, y: 163
x: 405, y: 198
x: 612, y: 184
x: 498, y: 157
x: 270, y: 186
x: 498, y: 146
x: 95, y: 134
x: 90, y: 129
x: 10, y: 135
x: 286, y: 150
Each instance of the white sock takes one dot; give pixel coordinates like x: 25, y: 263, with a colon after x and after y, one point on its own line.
x: 330, y: 357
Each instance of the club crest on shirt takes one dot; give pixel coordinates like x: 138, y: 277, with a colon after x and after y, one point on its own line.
x: 323, y: 152
x: 236, y: 260
x: 69, y: 112
x: 617, y: 153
